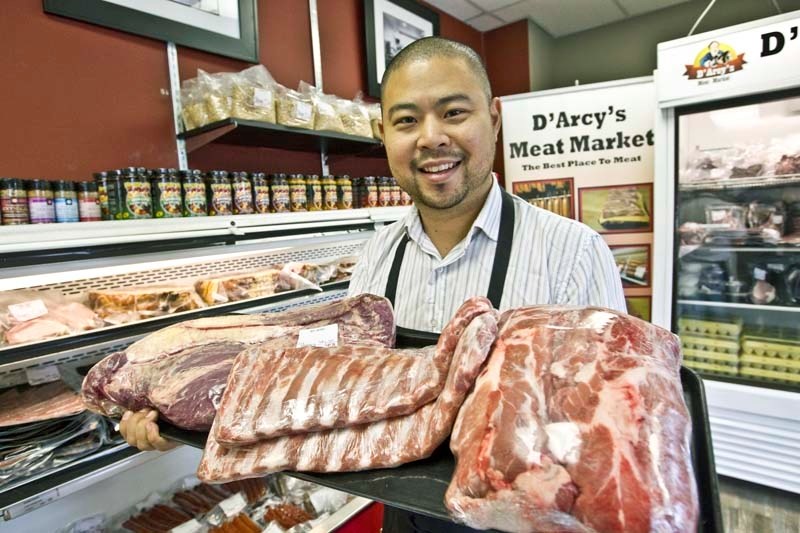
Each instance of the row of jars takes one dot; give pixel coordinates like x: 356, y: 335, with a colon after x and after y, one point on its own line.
x: 135, y: 193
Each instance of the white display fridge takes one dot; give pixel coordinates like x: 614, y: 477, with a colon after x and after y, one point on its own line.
x: 727, y: 235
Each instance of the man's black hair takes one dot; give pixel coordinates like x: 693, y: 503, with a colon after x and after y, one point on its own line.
x: 430, y: 47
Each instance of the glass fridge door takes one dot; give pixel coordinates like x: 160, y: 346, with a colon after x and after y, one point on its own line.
x: 737, y: 271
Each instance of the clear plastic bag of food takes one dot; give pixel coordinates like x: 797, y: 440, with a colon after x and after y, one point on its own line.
x: 193, y: 106
x: 769, y: 216
x: 375, y: 118
x: 354, y: 116
x: 733, y: 216
x: 326, y: 117
x: 250, y: 284
x: 294, y: 108
x: 217, y: 93
x: 345, y: 266
x: 30, y: 316
x: 253, y: 94
x: 316, y: 273
x: 128, y: 304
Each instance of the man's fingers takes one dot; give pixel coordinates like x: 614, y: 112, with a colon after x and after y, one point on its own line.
x: 141, y: 434
x: 154, y: 437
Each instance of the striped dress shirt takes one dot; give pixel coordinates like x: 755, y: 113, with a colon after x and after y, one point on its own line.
x: 554, y: 260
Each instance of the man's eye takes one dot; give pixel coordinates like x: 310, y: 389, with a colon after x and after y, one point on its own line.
x: 454, y: 113
x: 404, y: 121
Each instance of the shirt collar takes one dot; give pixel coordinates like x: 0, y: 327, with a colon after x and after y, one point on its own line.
x: 488, y: 219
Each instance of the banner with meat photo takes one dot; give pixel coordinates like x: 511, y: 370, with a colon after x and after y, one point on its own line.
x: 587, y: 152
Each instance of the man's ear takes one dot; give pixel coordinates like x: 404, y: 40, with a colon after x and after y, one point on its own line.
x: 380, y: 131
x: 494, y: 113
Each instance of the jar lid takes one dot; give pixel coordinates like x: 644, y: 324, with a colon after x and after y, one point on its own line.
x: 100, y: 175
x: 87, y: 186
x: 37, y: 184
x: 159, y: 171
x: 64, y: 185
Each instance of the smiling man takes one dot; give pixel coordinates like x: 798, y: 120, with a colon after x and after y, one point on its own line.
x: 465, y: 236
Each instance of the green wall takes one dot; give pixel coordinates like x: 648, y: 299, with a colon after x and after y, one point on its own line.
x: 627, y: 49
x: 540, y: 54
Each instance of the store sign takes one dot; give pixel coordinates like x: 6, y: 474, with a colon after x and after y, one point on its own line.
x: 730, y: 60
x: 587, y: 153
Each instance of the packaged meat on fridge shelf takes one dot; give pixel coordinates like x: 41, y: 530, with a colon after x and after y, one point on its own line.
x: 277, y: 503
x: 28, y: 316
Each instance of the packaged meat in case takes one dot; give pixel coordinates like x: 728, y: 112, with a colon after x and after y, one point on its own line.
x: 118, y: 306
x: 253, y: 284
x: 30, y: 316
x: 181, y: 371
x: 578, y: 423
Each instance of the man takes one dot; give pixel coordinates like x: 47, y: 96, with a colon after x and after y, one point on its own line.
x: 464, y: 236
x: 714, y: 56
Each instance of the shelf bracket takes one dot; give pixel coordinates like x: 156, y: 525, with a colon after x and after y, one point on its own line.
x: 175, y: 96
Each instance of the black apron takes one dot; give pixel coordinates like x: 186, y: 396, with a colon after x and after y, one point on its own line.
x: 396, y: 520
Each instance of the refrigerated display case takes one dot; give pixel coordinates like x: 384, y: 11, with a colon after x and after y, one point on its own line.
x: 727, y: 236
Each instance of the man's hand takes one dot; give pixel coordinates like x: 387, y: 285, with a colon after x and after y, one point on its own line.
x: 140, y: 430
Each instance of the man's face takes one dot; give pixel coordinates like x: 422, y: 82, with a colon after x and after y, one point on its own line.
x: 439, y: 130
x: 713, y: 48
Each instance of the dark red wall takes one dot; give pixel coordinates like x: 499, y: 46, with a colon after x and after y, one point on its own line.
x: 79, y: 98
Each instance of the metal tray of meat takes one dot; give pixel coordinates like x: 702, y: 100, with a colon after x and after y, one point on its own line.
x: 419, y: 487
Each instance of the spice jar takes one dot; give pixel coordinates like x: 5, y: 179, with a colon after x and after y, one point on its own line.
x: 328, y: 193
x: 41, y: 208
x: 115, y: 192
x: 279, y: 194
x: 13, y: 202
x: 260, y: 192
x: 194, y: 193
x: 66, y: 201
x: 101, y: 179
x: 220, y: 197
x: 405, y: 198
x: 370, y: 192
x: 129, y: 196
x: 314, y: 193
x: 384, y: 192
x: 242, y: 194
x: 297, y: 193
x: 166, y: 188
x: 397, y: 197
x: 88, y: 202
x: 344, y: 192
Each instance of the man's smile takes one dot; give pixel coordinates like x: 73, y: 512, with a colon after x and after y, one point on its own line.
x: 438, y: 171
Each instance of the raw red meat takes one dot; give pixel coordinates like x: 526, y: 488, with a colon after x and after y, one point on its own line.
x: 272, y: 393
x: 22, y: 405
x: 578, y: 423
x: 182, y: 370
x: 465, y: 343
x: 61, y: 319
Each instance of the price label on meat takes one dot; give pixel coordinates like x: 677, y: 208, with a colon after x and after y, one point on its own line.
x: 322, y: 337
x: 27, y: 310
x: 234, y: 505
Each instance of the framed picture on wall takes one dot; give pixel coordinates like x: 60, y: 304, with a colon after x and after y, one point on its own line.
x: 633, y: 263
x: 639, y: 306
x: 390, y: 26
x: 617, y: 208
x: 555, y: 195
x: 224, y: 27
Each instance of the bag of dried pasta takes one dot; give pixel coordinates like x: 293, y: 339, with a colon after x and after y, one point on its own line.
x: 355, y: 117
x: 375, y: 118
x: 216, y: 89
x: 253, y: 94
x: 193, y: 107
x: 325, y: 115
x: 294, y: 108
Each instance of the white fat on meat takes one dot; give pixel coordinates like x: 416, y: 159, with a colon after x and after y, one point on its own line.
x: 564, y: 441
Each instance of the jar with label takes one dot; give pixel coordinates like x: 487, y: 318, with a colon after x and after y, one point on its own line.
x: 397, y: 198
x: 88, y: 202
x: 194, y: 193
x: 328, y: 193
x: 344, y: 192
x: 260, y: 192
x: 370, y: 192
x: 220, y: 195
x: 13, y: 202
x: 279, y: 194
x: 66, y: 201
x: 101, y: 179
x: 405, y: 198
x: 384, y: 192
x: 297, y: 193
x: 242, y: 194
x: 41, y: 208
x: 166, y: 189
x: 114, y: 192
x: 134, y: 196
x: 314, y: 193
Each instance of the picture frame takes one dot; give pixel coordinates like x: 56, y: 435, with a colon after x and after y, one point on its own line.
x: 556, y: 195
x: 224, y: 27
x: 634, y: 263
x: 593, y: 202
x: 389, y: 26
x: 640, y: 307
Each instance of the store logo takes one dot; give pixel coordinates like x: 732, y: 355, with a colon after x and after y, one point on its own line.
x: 716, y: 59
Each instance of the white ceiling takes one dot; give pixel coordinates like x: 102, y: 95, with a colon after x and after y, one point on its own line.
x: 556, y: 17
